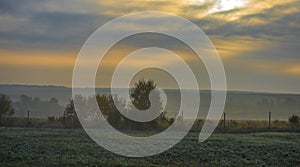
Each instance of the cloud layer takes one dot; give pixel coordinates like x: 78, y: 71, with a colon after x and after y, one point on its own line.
x: 257, y: 39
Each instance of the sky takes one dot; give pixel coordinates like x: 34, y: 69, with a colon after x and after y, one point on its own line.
x: 258, y: 41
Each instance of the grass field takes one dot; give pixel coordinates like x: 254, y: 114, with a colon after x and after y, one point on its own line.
x: 72, y: 147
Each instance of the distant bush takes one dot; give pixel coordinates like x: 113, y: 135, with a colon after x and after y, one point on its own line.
x: 51, y: 119
x: 6, y: 108
x: 294, y: 119
x: 70, y: 119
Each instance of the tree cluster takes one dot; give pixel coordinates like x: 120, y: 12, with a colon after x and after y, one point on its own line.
x: 139, y: 95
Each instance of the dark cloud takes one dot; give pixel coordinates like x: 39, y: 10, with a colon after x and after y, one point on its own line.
x: 282, y: 51
x: 6, y: 7
x: 65, y: 25
x: 20, y: 8
x: 49, y: 30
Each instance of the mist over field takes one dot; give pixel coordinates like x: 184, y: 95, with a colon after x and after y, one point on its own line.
x: 239, y: 105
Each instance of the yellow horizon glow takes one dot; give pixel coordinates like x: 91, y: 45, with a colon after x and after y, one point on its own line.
x: 294, y: 70
x: 34, y: 58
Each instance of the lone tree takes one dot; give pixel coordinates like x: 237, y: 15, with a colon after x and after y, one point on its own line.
x: 6, y: 108
x: 140, y: 94
x: 140, y: 97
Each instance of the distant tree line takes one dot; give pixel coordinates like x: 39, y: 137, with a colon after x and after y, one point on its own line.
x: 139, y: 96
x: 38, y: 108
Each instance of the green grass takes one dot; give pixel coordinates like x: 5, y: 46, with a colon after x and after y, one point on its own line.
x: 72, y: 147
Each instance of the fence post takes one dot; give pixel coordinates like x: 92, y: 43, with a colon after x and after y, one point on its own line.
x: 182, y: 122
x: 269, y: 120
x: 224, y: 122
x: 28, y: 118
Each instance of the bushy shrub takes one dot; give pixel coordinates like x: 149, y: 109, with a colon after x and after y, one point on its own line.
x: 6, y: 108
x: 294, y: 119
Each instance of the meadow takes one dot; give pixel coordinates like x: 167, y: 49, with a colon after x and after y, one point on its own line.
x: 72, y: 147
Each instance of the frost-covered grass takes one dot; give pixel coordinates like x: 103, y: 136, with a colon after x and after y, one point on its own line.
x: 72, y: 147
